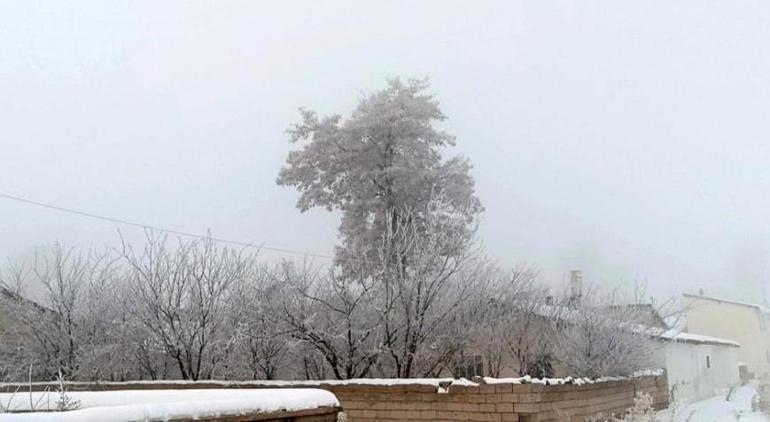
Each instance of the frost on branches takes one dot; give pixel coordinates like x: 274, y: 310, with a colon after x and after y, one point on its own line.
x: 409, y: 294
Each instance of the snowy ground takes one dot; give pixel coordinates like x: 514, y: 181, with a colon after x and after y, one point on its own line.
x: 717, y: 409
x: 163, y: 404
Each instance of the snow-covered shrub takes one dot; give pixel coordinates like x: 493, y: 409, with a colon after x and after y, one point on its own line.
x: 64, y: 401
x: 39, y: 401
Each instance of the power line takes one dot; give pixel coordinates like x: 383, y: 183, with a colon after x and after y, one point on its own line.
x: 156, y: 228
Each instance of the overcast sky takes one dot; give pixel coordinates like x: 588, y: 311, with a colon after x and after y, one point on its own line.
x: 627, y: 139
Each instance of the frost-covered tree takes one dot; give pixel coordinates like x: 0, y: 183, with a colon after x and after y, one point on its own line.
x: 409, y: 216
x: 181, y: 298
x: 70, y: 331
x: 383, y: 162
x: 601, y: 336
x: 101, y: 325
x: 516, y: 330
x: 424, y: 303
x: 12, y: 334
x: 263, y: 347
x: 63, y: 273
x: 336, y: 317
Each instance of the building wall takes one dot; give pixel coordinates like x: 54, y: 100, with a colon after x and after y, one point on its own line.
x: 741, y: 323
x: 699, y: 371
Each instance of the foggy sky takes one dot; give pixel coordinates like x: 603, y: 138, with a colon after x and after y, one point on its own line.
x: 628, y: 139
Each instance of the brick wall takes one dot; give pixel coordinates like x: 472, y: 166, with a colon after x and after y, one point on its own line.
x: 496, y: 402
x: 423, y: 401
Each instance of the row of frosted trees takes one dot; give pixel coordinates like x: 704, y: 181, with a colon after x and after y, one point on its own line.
x: 171, y: 309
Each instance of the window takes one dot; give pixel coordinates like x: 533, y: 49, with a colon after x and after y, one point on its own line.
x: 708, y: 362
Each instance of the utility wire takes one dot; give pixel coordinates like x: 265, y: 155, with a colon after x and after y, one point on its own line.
x: 160, y: 229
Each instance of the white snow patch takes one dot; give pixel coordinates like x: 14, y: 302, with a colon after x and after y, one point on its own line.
x: 130, y: 405
x: 717, y: 409
x: 465, y: 382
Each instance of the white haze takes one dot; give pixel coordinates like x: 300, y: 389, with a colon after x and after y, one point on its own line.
x: 628, y: 139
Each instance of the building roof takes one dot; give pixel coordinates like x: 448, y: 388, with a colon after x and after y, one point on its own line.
x: 758, y: 307
x: 9, y: 296
x: 567, y: 314
x: 646, y: 314
x: 682, y: 337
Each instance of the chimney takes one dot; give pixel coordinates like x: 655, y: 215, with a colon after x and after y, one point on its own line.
x: 575, y: 285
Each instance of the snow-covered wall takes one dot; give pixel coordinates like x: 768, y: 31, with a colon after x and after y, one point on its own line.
x: 177, y: 405
x: 699, y: 371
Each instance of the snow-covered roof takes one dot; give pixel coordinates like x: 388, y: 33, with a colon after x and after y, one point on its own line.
x: 682, y: 337
x: 555, y: 311
x: 131, y: 405
x: 567, y: 314
x: 730, y: 301
x: 13, y: 297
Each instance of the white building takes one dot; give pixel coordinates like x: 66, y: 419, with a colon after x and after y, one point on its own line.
x: 698, y: 366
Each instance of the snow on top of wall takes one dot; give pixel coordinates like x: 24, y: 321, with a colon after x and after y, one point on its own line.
x: 132, y: 405
x: 569, y: 380
x: 440, y: 383
x: 436, y: 382
x: 264, y: 383
x: 527, y: 380
x: 365, y: 381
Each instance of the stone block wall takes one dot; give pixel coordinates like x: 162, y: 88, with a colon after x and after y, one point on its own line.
x: 496, y: 402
